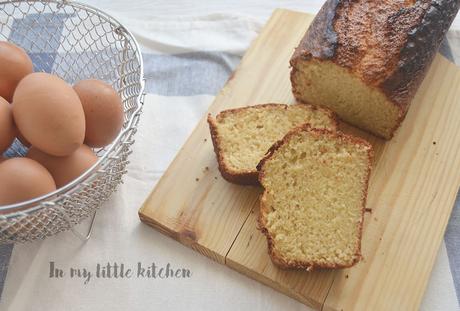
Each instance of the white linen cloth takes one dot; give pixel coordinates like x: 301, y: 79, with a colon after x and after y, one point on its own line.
x: 164, y: 28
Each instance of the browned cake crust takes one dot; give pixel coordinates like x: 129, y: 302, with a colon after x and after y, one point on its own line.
x: 388, y: 44
x: 276, y: 258
x: 247, y: 177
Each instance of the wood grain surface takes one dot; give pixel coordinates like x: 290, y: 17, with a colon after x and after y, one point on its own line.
x: 412, y: 190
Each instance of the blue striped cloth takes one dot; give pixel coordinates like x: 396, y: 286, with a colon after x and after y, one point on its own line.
x: 202, y: 73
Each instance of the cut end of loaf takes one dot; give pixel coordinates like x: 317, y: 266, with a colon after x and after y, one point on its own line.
x: 326, y: 84
x: 312, y: 208
x: 242, y: 136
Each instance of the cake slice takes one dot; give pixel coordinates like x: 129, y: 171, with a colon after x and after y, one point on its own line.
x: 242, y: 136
x: 315, y: 187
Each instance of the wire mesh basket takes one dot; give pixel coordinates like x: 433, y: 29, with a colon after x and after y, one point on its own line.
x: 75, y: 42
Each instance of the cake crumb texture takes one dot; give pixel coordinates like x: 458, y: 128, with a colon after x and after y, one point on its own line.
x: 315, y: 186
x: 242, y: 136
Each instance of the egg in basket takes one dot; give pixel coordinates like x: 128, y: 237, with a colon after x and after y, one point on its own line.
x: 70, y: 101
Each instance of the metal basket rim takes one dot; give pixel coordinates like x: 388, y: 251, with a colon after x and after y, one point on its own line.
x: 43, y: 201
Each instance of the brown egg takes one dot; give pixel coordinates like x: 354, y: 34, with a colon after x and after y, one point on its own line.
x: 7, y: 127
x: 65, y: 169
x: 103, y: 112
x: 49, y: 114
x: 23, y: 179
x: 22, y: 139
x: 15, y: 64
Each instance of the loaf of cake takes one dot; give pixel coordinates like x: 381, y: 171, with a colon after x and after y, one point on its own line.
x: 366, y: 59
x: 242, y: 136
x: 315, y: 186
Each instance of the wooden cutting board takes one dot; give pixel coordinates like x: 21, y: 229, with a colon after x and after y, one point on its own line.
x: 412, y: 190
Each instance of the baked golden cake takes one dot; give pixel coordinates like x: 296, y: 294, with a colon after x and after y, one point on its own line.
x: 366, y: 59
x: 242, y: 136
x: 315, y: 186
